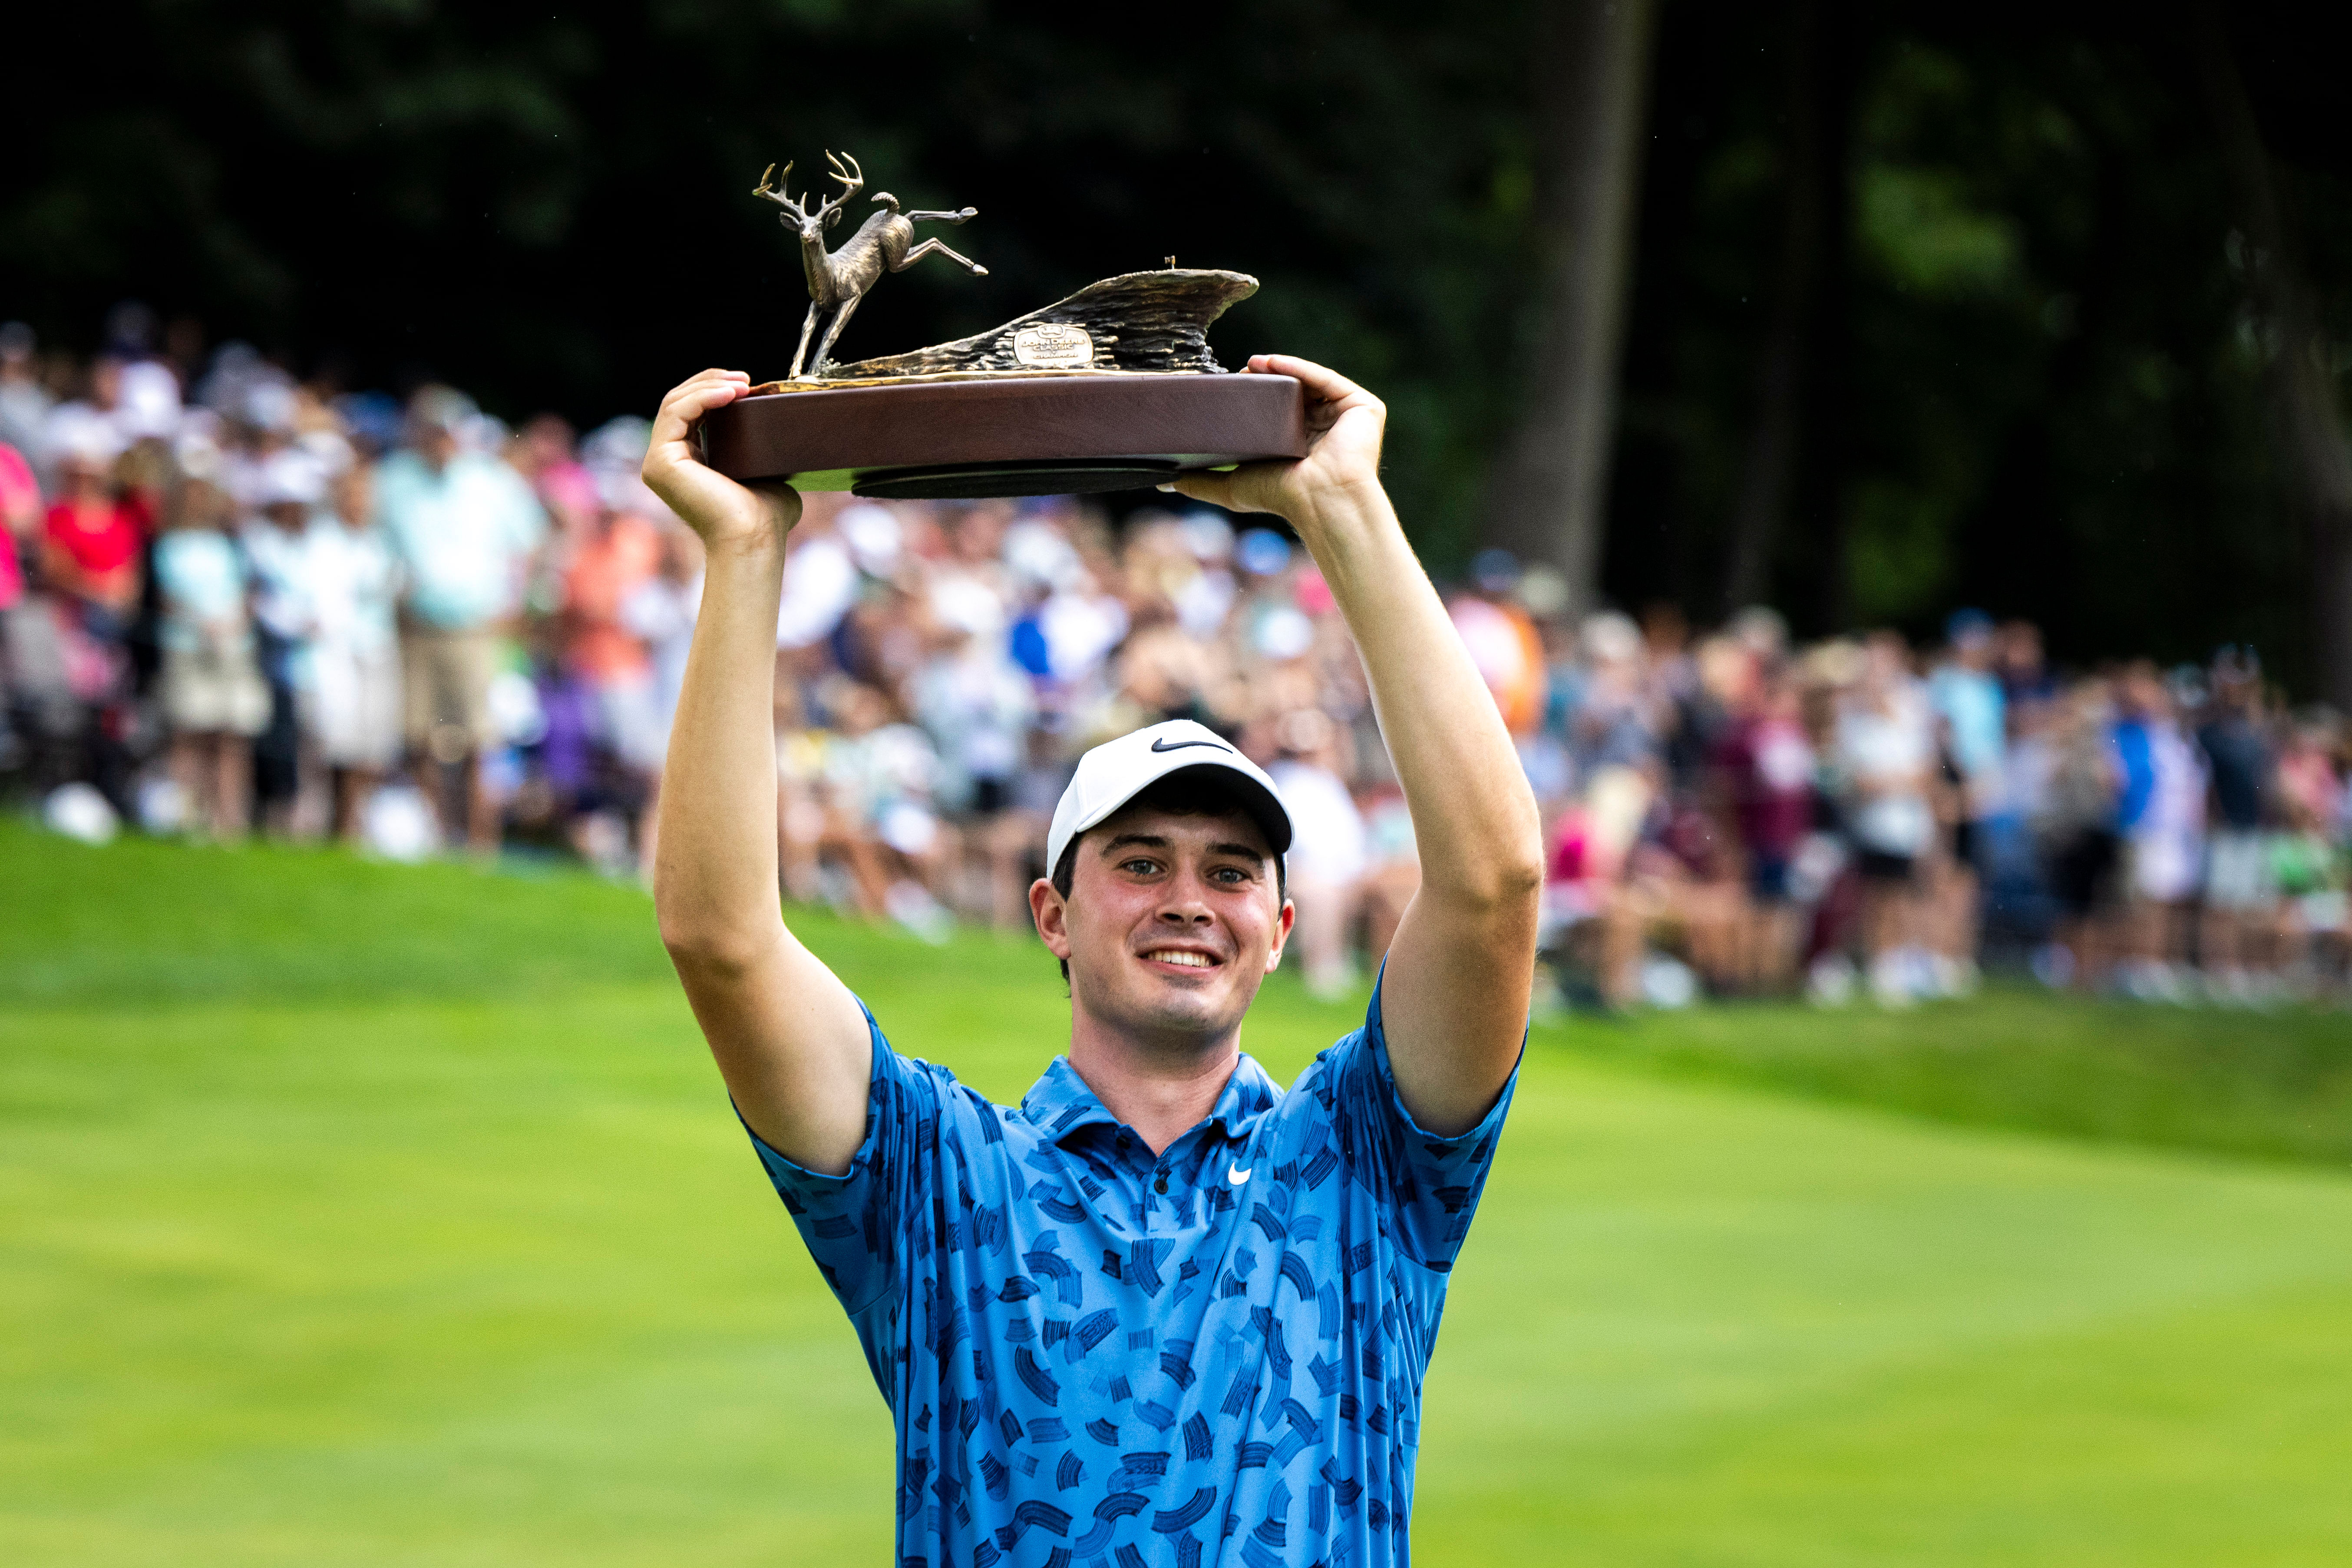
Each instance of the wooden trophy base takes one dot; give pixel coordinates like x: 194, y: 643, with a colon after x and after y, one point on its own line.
x: 1007, y: 433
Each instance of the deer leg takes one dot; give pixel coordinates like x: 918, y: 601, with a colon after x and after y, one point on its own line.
x: 942, y: 217
x: 800, y: 353
x: 976, y: 269
x: 831, y: 331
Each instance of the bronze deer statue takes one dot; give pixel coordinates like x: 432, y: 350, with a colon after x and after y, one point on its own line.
x: 839, y: 280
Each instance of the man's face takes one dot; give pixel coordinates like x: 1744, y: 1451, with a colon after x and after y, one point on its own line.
x: 81, y: 475
x: 1171, y: 924
x: 436, y: 444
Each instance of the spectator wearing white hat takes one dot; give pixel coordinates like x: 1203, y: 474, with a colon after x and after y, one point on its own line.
x: 464, y: 526
x: 213, y: 694
x: 89, y: 551
x: 1886, y: 751
x: 977, y: 707
x: 24, y: 403
x: 619, y: 553
x: 94, y: 426
x: 823, y: 583
x: 289, y: 489
x: 354, y: 651
x: 1329, y: 852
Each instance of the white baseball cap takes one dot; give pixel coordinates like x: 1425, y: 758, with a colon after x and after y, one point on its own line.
x: 1118, y: 770
x: 291, y: 477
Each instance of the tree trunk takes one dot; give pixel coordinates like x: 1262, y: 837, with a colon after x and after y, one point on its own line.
x: 2306, y: 420
x: 1811, y: 224
x: 1552, y: 493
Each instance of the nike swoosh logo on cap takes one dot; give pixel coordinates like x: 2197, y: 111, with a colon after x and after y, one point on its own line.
x: 1235, y: 1173
x: 1163, y: 744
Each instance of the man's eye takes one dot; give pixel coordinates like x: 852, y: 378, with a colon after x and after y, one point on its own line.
x: 1230, y: 874
x: 1140, y: 867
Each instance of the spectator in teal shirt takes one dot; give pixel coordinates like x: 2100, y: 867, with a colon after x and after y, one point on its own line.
x: 464, y: 526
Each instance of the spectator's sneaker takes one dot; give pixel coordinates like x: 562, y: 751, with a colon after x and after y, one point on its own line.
x: 2148, y: 980
x: 1955, y: 977
x: 920, y: 913
x: 1892, y: 981
x: 1921, y: 976
x: 397, y: 824
x: 1830, y: 982
x: 163, y: 806
x: 837, y: 888
x: 2230, y: 988
x: 1330, y: 982
x: 1549, y: 1002
x: 603, y: 839
x: 1668, y: 983
x: 2054, y: 965
x: 79, y: 811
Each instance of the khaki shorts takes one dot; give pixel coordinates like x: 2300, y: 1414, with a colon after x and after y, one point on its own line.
x: 212, y: 690
x: 445, y: 688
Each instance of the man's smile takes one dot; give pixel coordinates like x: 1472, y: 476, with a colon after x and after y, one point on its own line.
x: 1183, y: 957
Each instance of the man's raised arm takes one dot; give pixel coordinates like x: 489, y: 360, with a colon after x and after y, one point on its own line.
x: 1453, y: 1004
x: 789, y: 1040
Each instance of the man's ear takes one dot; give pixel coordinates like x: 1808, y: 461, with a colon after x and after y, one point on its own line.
x: 1282, y: 924
x: 1052, y: 917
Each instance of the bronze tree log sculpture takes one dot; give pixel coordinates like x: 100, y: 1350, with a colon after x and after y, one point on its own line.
x: 1141, y: 322
x: 1137, y: 322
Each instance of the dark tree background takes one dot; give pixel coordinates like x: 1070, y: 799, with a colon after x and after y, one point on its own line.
x: 1929, y: 304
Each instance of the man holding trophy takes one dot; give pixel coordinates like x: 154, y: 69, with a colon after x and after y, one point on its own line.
x: 1161, y: 1312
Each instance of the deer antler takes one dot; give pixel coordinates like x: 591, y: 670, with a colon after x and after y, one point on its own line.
x: 780, y: 192
x: 852, y: 179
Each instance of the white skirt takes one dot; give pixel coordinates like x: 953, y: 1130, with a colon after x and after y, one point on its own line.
x: 355, y: 714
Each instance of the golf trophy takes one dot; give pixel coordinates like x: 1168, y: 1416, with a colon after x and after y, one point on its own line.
x: 1113, y: 388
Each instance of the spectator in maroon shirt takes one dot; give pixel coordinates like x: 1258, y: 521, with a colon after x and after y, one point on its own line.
x: 1763, y: 768
x: 1766, y: 769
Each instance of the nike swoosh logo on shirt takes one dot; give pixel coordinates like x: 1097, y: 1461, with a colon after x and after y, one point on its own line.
x: 1162, y: 744
x: 1238, y: 1176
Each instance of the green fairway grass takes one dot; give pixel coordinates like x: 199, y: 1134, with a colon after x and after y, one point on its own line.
x: 355, y: 1214
x: 2275, y: 1083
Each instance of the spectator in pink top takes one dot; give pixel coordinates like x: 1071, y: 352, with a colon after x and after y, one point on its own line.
x: 20, y: 517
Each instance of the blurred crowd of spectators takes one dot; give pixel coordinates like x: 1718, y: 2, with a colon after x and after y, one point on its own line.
x: 231, y: 602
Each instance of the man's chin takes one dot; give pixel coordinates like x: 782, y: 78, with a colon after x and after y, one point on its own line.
x: 1163, y: 1008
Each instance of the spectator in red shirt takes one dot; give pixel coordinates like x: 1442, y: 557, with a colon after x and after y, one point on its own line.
x: 90, y: 547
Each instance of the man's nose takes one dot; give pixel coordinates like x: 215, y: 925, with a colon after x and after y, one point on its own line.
x: 1187, y: 903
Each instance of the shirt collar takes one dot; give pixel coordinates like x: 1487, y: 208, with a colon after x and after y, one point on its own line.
x: 1060, y: 1103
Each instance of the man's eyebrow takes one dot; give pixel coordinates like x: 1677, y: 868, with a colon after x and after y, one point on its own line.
x: 1155, y: 841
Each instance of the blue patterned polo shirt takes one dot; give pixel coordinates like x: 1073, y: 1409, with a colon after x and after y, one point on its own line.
x: 1099, y: 1359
